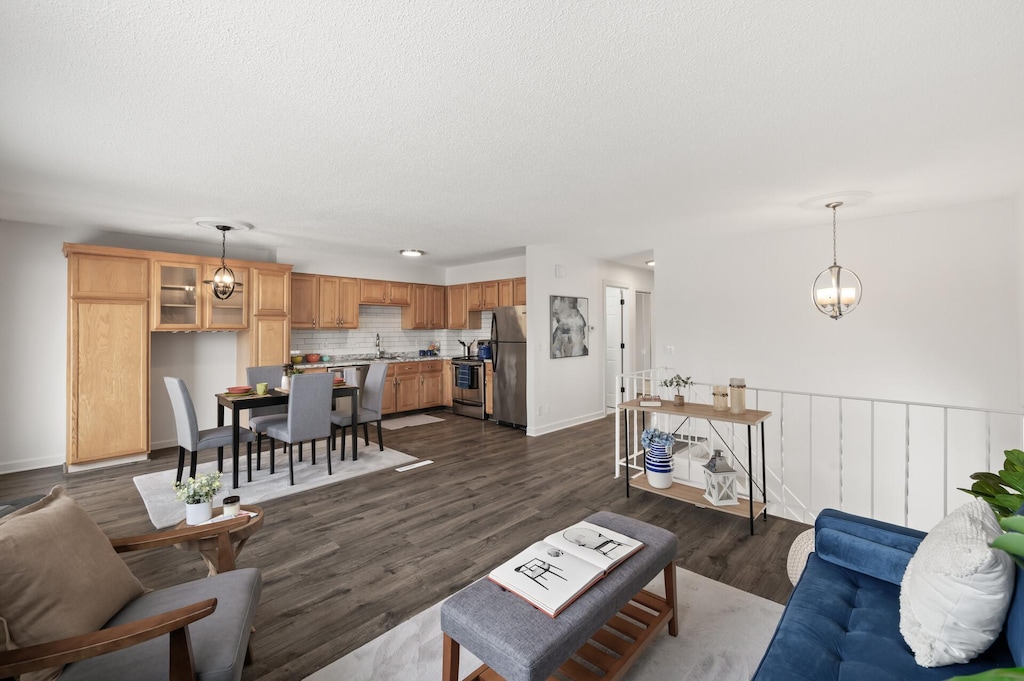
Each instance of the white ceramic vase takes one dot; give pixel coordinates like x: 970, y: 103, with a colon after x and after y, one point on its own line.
x: 198, y: 513
x: 660, y: 465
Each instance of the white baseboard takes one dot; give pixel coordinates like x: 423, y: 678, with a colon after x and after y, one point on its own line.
x: 31, y: 464
x: 561, y: 425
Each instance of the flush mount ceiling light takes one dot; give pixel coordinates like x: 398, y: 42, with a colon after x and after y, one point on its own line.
x: 411, y: 252
x: 223, y: 285
x: 649, y: 263
x: 837, y: 290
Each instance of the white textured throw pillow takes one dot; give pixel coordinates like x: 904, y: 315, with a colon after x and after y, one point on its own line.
x: 956, y: 590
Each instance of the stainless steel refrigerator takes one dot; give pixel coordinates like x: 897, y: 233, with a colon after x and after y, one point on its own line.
x: 508, y: 355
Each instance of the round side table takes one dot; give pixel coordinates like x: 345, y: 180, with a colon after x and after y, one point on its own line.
x: 207, y: 548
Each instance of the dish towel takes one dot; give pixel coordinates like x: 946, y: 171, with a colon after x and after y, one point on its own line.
x: 464, y: 376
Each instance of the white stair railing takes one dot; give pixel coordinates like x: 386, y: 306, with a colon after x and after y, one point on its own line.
x: 901, y: 462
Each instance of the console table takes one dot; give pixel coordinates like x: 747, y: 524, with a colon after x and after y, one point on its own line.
x: 751, y: 418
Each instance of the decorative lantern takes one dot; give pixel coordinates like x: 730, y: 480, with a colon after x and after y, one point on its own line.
x: 720, y: 484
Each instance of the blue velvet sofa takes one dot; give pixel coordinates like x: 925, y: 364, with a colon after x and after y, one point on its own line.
x: 842, y: 620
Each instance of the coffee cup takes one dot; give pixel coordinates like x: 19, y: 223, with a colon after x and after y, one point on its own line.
x: 261, y: 388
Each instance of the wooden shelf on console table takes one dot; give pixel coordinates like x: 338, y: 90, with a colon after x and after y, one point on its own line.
x: 680, y: 491
x: 751, y: 418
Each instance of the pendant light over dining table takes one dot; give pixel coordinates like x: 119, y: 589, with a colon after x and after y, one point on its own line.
x: 837, y: 290
x: 223, y: 284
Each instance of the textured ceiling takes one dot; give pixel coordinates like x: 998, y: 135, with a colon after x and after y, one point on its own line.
x: 471, y: 130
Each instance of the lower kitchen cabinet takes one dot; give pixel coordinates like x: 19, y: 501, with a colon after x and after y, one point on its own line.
x: 488, y: 387
x: 388, y: 399
x: 407, y: 386
x: 431, y: 382
x: 447, y: 381
x: 413, y: 385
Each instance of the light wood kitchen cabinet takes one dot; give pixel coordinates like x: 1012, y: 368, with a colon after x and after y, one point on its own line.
x: 271, y: 289
x: 305, y: 300
x: 427, y: 308
x: 268, y: 342
x: 436, y: 301
x: 489, y: 295
x: 378, y: 292
x: 108, y: 354
x: 488, y: 387
x: 519, y: 291
x: 339, y: 303
x: 505, y: 292
x: 431, y: 380
x: 390, y: 388
x: 407, y: 386
x: 475, y: 296
x: 229, y: 314
x: 447, y: 380
x: 176, y: 301
x: 459, y: 314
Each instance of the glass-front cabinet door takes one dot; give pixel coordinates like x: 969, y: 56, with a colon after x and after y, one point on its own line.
x: 177, y: 306
x: 230, y: 314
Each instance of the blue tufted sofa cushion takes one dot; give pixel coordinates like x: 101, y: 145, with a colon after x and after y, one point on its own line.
x: 843, y: 618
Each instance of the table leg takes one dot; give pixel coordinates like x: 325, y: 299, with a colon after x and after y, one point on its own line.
x: 220, y: 450
x: 234, y: 445
x: 625, y: 450
x: 450, y: 660
x: 750, y: 477
x: 764, y: 476
x: 670, y: 596
x: 355, y: 415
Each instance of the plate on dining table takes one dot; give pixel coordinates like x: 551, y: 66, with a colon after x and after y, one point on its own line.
x: 239, y: 390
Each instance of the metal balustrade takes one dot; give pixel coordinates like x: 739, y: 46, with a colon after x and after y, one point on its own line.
x: 900, y: 462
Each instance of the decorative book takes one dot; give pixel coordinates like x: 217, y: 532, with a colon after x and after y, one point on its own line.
x: 650, y: 401
x: 551, y: 574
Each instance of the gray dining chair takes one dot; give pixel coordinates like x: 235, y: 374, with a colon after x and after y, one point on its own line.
x: 309, y: 418
x: 190, y: 438
x: 372, y: 402
x: 261, y: 417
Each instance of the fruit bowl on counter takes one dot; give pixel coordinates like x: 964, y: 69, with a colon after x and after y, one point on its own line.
x: 296, y: 359
x: 313, y: 357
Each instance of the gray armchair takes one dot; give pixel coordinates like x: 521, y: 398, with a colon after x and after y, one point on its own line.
x: 72, y: 601
x: 309, y: 417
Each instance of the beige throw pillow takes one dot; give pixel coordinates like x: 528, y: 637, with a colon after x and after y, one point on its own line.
x: 59, y: 575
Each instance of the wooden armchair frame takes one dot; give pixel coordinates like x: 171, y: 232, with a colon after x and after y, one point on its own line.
x: 175, y: 622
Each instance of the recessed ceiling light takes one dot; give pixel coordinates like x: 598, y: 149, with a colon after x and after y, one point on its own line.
x: 411, y: 252
x: 649, y: 263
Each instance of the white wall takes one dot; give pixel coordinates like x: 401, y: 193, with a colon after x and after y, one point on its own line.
x: 937, y: 322
x: 508, y: 268
x: 568, y: 391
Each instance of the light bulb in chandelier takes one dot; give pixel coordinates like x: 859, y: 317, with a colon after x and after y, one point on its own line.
x: 837, y: 290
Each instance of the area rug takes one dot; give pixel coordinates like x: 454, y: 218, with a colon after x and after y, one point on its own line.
x: 407, y: 421
x: 723, y: 632
x: 157, y: 489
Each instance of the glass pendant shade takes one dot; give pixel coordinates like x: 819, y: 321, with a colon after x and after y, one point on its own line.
x: 837, y: 291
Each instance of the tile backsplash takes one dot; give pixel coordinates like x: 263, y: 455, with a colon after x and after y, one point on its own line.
x: 387, y: 321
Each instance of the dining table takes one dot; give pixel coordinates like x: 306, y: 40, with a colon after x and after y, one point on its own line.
x: 275, y: 396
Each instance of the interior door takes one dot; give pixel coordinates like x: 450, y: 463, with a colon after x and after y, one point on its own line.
x: 614, y: 303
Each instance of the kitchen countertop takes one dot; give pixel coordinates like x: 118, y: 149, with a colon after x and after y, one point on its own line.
x: 353, y: 360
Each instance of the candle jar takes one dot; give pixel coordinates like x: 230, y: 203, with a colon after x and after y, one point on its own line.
x: 737, y: 395
x: 232, y: 507
x: 721, y: 395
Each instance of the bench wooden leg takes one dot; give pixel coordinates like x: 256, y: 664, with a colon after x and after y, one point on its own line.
x: 450, y: 659
x: 670, y: 596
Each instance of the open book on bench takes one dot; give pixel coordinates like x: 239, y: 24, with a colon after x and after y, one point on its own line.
x: 552, y: 573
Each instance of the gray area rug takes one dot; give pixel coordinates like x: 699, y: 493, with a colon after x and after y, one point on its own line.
x: 723, y: 632
x: 157, y: 489
x: 407, y: 421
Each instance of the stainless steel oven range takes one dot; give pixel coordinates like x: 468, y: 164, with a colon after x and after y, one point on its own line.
x: 468, y: 387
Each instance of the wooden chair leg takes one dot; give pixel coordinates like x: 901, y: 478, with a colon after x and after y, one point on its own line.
x: 670, y: 596
x: 380, y: 436
x: 291, y: 465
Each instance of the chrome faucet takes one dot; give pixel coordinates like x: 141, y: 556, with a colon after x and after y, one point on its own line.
x: 376, y: 342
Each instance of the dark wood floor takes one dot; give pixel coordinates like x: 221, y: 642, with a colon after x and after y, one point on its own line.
x: 344, y: 563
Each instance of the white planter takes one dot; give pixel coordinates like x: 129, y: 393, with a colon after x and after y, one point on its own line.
x: 660, y: 464
x: 198, y: 513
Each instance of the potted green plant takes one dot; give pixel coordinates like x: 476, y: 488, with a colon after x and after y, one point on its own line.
x: 1003, y: 492
x: 677, y: 382
x: 198, y: 493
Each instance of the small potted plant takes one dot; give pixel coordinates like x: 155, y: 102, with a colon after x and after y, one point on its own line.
x: 678, y: 383
x: 198, y: 493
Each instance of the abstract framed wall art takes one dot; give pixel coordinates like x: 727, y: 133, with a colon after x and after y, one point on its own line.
x: 568, y: 327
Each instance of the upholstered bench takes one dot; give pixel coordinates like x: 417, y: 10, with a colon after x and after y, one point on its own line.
x: 521, y: 643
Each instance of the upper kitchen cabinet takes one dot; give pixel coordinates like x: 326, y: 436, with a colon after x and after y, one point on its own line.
x: 377, y: 292
x: 229, y: 314
x: 459, y: 315
x: 177, y: 294
x: 512, y: 292
x: 271, y: 292
x: 305, y: 300
x: 339, y: 303
x: 427, y: 309
x: 482, y: 295
x: 519, y: 291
